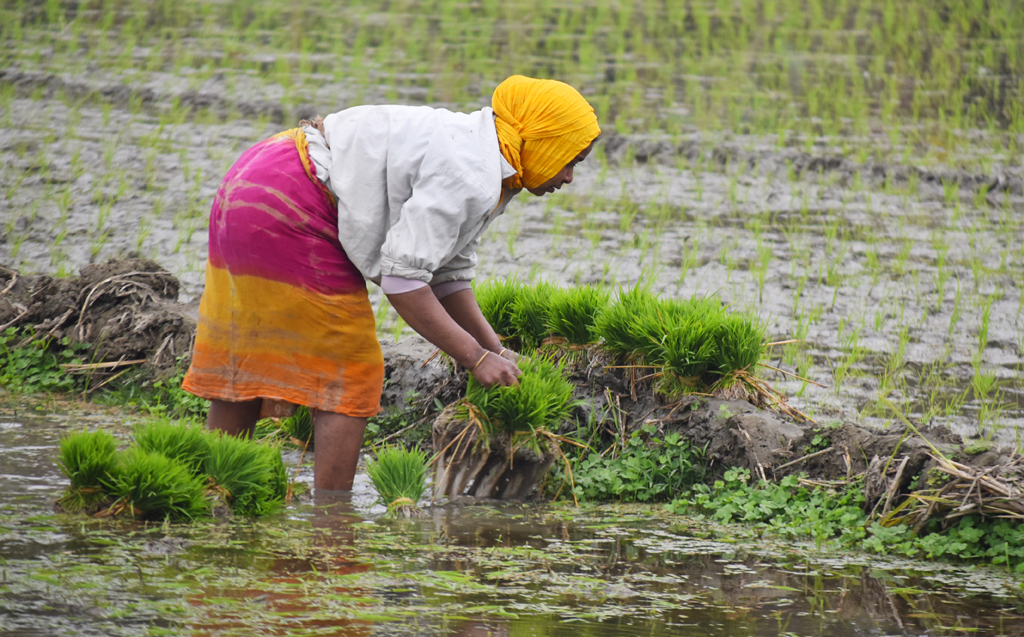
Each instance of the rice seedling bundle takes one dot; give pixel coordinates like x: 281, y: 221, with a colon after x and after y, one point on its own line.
x: 400, y: 476
x: 617, y: 324
x: 688, y: 349
x: 250, y: 476
x: 740, y: 344
x: 680, y: 332
x: 695, y: 341
x: 501, y: 440
x: 572, y: 313
x: 496, y: 298
x: 160, y: 476
x: 541, y: 401
x: 299, y: 427
x: 188, y: 444
x: 87, y: 459
x: 530, y: 311
x: 151, y: 486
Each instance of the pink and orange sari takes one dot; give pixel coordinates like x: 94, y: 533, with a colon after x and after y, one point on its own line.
x: 285, y: 314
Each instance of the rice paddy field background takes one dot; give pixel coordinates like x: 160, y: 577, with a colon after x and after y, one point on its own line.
x: 851, y: 171
x: 848, y: 170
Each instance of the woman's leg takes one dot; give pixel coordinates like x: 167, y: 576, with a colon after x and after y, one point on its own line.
x: 234, y: 419
x: 338, y: 439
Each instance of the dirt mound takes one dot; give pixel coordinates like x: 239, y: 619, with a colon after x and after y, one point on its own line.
x: 125, y: 309
x: 894, y: 462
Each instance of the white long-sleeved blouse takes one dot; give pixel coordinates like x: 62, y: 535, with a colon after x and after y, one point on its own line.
x: 416, y: 188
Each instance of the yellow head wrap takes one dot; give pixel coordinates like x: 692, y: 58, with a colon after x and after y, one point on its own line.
x: 542, y: 125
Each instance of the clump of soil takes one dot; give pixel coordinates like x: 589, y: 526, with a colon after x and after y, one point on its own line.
x: 124, y: 309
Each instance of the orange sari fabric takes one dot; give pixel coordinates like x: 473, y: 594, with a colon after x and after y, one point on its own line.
x: 285, y: 314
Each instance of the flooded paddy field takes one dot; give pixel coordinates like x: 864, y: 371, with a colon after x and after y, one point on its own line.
x: 850, y: 171
x: 865, y: 201
x: 336, y: 567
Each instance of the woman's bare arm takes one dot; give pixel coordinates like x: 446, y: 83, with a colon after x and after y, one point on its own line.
x: 463, y: 308
x: 455, y: 331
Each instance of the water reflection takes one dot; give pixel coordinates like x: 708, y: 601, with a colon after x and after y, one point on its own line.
x: 283, y: 590
x: 333, y: 566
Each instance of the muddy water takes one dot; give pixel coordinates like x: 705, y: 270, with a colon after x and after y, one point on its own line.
x: 335, y: 567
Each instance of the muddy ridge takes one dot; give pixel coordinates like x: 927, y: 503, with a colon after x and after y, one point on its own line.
x: 145, y: 97
x: 780, y: 161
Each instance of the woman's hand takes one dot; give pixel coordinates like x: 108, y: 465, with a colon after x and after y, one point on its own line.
x: 508, y: 354
x: 496, y: 370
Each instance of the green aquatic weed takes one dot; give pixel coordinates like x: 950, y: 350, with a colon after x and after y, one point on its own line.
x: 33, y: 364
x: 649, y: 468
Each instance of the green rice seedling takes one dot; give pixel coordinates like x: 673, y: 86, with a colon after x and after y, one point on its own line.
x: 299, y: 427
x: 538, y: 404
x: 188, y: 444
x: 572, y: 312
x: 400, y: 476
x: 688, y: 348
x: 678, y: 334
x: 496, y: 298
x: 151, y: 486
x: 739, y: 344
x: 616, y: 323
x: 87, y: 459
x: 530, y: 314
x: 249, y: 475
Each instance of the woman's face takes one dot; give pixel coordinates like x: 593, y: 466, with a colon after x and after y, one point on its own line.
x: 563, y: 177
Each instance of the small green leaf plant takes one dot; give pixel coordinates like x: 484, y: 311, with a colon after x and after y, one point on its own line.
x: 30, y: 365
